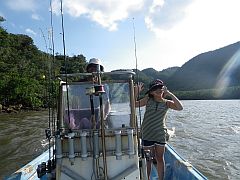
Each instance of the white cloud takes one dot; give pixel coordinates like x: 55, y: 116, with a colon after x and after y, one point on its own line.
x: 107, y: 13
x: 206, y: 25
x: 163, y: 15
x: 30, y: 31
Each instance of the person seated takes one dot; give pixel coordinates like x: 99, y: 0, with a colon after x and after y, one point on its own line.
x: 81, y: 121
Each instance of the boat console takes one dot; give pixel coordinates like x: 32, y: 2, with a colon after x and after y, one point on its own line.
x: 97, y: 130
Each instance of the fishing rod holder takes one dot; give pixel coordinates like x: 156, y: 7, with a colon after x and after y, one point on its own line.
x: 130, y: 143
x: 71, y: 153
x: 59, y: 153
x: 118, y: 144
x: 83, y: 140
x: 96, y: 144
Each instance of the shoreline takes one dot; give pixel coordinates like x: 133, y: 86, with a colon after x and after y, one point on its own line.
x: 13, y: 109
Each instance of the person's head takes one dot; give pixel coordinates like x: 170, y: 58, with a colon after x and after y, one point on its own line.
x: 155, y: 86
x: 93, y: 65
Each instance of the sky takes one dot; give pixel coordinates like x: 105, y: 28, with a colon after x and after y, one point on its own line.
x: 125, y: 34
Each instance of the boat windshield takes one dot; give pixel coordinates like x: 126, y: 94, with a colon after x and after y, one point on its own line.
x: 79, y: 98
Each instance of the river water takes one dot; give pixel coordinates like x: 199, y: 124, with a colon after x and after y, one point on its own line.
x: 22, y: 137
x: 207, y: 134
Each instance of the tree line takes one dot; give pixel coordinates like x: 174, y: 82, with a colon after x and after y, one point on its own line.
x: 27, y: 74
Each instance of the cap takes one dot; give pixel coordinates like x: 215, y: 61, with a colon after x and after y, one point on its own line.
x: 95, y: 61
x: 154, y: 85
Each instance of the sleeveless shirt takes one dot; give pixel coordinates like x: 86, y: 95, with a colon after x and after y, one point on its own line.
x: 153, y: 126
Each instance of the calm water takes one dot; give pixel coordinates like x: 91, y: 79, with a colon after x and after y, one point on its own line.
x: 207, y: 135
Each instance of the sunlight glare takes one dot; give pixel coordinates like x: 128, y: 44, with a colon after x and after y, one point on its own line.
x: 224, y: 77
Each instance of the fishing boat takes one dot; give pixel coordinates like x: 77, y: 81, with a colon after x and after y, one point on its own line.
x: 95, y: 140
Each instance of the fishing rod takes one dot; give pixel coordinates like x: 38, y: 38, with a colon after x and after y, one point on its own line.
x: 65, y: 61
x: 51, y: 64
x: 49, y: 79
x: 143, y: 160
x: 50, y: 84
x: 137, y: 74
x: 44, y: 167
x: 48, y: 130
x: 45, y: 41
x: 52, y: 98
x: 52, y: 94
x: 136, y: 62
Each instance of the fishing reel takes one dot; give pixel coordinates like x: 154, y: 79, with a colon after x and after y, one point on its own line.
x: 95, y: 90
x: 45, y: 168
x: 149, y: 155
x: 48, y: 133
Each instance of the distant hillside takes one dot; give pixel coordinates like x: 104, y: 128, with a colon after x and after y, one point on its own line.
x: 204, y: 71
x: 163, y: 75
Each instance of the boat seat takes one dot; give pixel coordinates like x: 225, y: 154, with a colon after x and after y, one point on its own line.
x: 118, y: 120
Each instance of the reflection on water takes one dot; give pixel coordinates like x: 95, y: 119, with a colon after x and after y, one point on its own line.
x: 207, y: 134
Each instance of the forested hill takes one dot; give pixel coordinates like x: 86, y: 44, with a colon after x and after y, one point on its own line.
x: 202, y: 76
x: 209, y: 70
x: 25, y: 71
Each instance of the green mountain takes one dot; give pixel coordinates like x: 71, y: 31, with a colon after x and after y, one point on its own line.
x: 209, y: 70
x: 163, y: 75
x: 215, y: 69
x: 149, y: 74
x: 210, y: 75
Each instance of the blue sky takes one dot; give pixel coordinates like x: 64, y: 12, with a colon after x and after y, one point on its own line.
x: 168, y: 32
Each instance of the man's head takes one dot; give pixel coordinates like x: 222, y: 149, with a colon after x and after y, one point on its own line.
x: 94, y: 64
